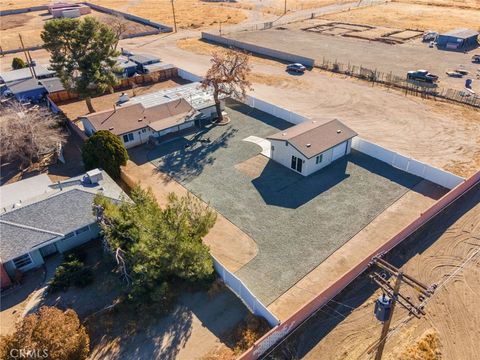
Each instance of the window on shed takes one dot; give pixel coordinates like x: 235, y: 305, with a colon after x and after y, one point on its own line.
x: 22, y: 261
x: 319, y: 159
x: 82, y: 230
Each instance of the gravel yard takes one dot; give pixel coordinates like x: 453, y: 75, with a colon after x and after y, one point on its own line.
x: 297, y: 222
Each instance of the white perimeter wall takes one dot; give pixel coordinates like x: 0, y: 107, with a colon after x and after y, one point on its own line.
x: 412, y: 166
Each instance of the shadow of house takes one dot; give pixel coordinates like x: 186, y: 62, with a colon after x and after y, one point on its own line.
x: 360, y: 290
x: 258, y: 115
x: 280, y: 186
x: 185, y: 158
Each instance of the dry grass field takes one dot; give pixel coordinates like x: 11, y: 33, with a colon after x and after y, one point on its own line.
x: 473, y: 4
x: 30, y: 25
x: 411, y: 16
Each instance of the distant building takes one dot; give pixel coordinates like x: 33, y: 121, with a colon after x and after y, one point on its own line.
x: 26, y: 90
x: 142, y: 60
x: 459, y: 39
x: 25, y: 73
x: 40, y: 218
x: 68, y: 10
x: 311, y: 145
x: 125, y: 67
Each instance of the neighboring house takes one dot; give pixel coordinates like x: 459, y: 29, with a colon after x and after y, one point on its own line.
x: 135, y: 124
x: 311, y: 145
x: 125, y: 67
x: 53, y: 217
x: 52, y: 85
x: 458, y: 39
x: 26, y: 90
x: 25, y: 73
x: 143, y: 60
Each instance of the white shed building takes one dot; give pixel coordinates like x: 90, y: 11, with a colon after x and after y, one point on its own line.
x: 311, y: 145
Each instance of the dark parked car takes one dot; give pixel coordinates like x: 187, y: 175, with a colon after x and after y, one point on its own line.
x: 422, y: 75
x: 476, y: 58
x: 298, y: 68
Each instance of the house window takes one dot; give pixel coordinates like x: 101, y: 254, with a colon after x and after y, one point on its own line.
x: 69, y: 235
x: 22, y: 261
x: 127, y: 137
x: 144, y: 130
x: 82, y: 230
x: 273, y: 147
x: 319, y: 159
x: 286, y: 143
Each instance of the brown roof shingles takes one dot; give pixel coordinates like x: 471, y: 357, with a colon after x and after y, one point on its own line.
x: 313, y: 137
x: 128, y: 118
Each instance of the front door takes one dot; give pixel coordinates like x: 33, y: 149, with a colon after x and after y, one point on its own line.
x: 296, y: 164
x: 299, y: 165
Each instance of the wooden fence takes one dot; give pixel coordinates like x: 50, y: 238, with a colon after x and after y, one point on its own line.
x: 410, y: 87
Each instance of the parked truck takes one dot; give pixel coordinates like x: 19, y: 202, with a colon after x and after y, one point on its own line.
x: 422, y: 75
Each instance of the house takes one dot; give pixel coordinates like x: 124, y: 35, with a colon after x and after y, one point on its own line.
x: 68, y: 10
x: 26, y: 90
x: 125, y: 67
x: 143, y: 60
x: 200, y: 98
x: 25, y: 73
x: 458, y: 39
x: 40, y: 218
x: 135, y: 124
x: 311, y: 145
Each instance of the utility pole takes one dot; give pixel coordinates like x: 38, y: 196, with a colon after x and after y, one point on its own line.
x: 29, y: 62
x: 285, y: 8
x: 174, y: 19
x: 396, y: 297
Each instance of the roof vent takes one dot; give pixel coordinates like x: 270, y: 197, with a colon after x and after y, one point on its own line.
x: 309, y: 145
x: 110, y: 128
x: 339, y: 131
x: 141, y: 119
x: 123, y: 98
x: 94, y: 176
x: 283, y: 134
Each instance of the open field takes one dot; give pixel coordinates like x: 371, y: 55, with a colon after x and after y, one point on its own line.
x: 474, y: 4
x: 30, y: 25
x: 321, y: 217
x: 411, y: 16
x: 346, y: 327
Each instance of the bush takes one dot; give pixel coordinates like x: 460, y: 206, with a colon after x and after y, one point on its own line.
x: 18, y: 63
x: 248, y: 331
x: 71, y: 272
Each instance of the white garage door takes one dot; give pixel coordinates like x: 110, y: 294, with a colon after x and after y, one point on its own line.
x: 339, y: 151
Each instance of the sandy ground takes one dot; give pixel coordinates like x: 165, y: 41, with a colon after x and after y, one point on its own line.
x: 30, y: 25
x: 232, y: 247
x: 412, y: 16
x: 475, y: 4
x: 343, y: 331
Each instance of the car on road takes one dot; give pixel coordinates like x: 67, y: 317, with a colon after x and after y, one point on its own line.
x: 297, y: 67
x: 455, y: 74
x: 476, y: 58
x: 422, y: 75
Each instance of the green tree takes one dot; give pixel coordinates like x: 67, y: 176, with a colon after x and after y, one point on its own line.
x: 159, y: 245
x: 49, y: 334
x: 83, y: 55
x: 18, y: 63
x: 105, y: 150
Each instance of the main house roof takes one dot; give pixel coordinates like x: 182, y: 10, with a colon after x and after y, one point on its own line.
x: 313, y: 137
x: 133, y: 116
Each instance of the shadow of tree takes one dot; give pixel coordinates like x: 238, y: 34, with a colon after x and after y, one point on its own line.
x: 185, y: 158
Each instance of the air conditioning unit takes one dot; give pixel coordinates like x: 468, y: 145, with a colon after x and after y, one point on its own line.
x: 94, y: 176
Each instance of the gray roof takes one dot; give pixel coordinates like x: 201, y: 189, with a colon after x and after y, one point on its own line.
x: 461, y: 33
x: 52, y: 85
x: 20, y: 86
x: 158, y: 66
x: 144, y: 58
x: 20, y: 191
x: 66, y: 207
x: 22, y: 74
x: 124, y: 63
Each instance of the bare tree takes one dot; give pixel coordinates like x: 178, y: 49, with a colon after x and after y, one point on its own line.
x: 228, y: 76
x: 28, y: 135
x: 119, y: 26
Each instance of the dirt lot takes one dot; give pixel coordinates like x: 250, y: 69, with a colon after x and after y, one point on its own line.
x: 346, y: 327
x: 30, y: 25
x: 411, y: 16
x: 474, y: 4
x: 74, y: 109
x: 387, y: 58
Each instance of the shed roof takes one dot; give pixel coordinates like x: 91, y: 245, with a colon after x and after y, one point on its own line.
x: 313, y: 137
x: 144, y: 58
x: 125, y: 63
x: 52, y: 85
x: 21, y: 86
x: 134, y: 116
x: 22, y: 74
x: 461, y: 33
